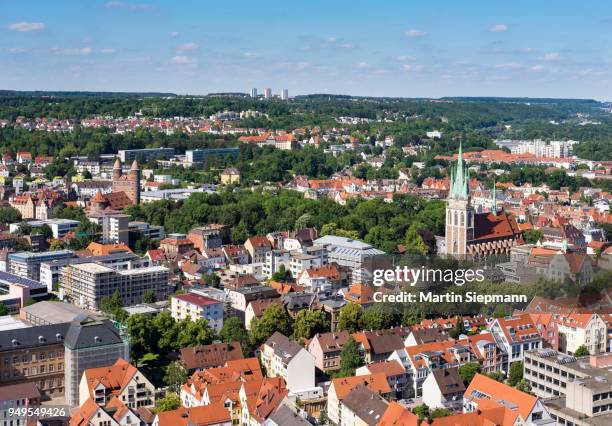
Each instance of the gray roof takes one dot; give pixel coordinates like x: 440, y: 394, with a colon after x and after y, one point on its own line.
x: 82, y: 332
x: 54, y: 312
x: 88, y: 332
x: 283, y: 347
x: 6, y: 277
x: 285, y: 416
x: 366, y: 405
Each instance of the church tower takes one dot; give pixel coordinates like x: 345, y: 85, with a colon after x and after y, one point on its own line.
x: 459, y: 210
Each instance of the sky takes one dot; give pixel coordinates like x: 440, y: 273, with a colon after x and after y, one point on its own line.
x: 424, y: 48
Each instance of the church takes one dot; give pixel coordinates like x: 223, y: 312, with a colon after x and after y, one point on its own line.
x: 471, y: 234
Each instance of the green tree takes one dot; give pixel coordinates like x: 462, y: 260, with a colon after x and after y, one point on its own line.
x: 422, y: 411
x: 532, y: 236
x: 143, y: 335
x: 440, y: 412
x: 496, y: 375
x: 149, y: 296
x: 350, y: 358
x: 112, y: 306
x: 9, y: 215
x: 3, y: 309
x: 524, y: 386
x: 349, y: 318
x: 458, y: 329
x: 582, y: 350
x: 233, y: 331
x: 212, y: 280
x: 515, y: 375
x: 307, y: 323
x: 282, y: 274
x: 274, y: 318
x: 377, y: 317
x: 168, y: 403
x: 195, y: 333
x: 167, y: 332
x: 414, y: 241
x: 175, y: 375
x: 468, y: 371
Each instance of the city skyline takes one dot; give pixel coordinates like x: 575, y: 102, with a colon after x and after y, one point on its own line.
x: 391, y: 49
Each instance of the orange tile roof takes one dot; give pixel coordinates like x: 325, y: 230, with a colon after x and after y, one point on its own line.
x: 98, y: 249
x: 495, y: 391
x: 375, y: 382
x: 212, y: 414
x: 398, y: 415
x: 114, y: 377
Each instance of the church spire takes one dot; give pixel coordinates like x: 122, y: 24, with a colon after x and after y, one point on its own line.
x: 494, y: 206
x: 460, y: 179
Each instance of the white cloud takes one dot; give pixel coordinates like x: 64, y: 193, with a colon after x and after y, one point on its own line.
x: 410, y: 67
x: 551, y: 56
x: 508, y: 66
x: 135, y: 7
x: 182, y: 59
x: 16, y: 50
x: 251, y: 55
x: 536, y: 68
x: 499, y: 28
x: 175, y: 34
x: 348, y: 46
x: 406, y: 58
x: 27, y: 26
x: 362, y: 65
x: 332, y: 39
x: 414, y: 33
x: 77, y: 51
x: 188, y: 46
x: 108, y: 51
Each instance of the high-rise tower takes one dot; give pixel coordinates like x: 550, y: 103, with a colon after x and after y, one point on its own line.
x: 459, y: 210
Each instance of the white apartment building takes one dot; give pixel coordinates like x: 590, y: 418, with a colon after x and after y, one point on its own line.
x: 195, y: 306
x: 285, y: 358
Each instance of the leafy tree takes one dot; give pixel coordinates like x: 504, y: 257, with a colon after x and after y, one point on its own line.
x: 307, y: 323
x: 282, y: 274
x: 195, y: 333
x: 440, y: 412
x: 524, y: 386
x: 377, y: 317
x: 414, y: 241
x: 149, y: 296
x: 515, y: 375
x: 349, y: 318
x: 496, y: 375
x: 3, y: 309
x: 143, y: 335
x: 323, y: 419
x: 532, y: 236
x: 468, y: 371
x: 212, y: 280
x: 112, y: 306
x: 233, y: 330
x: 458, y: 329
x: 56, y: 245
x: 167, y: 332
x: 350, y: 358
x: 9, y: 215
x: 582, y: 350
x: 175, y: 376
x: 168, y: 403
x: 422, y: 411
x: 274, y: 318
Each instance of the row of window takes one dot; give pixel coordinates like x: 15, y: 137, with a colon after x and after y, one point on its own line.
x: 25, y: 358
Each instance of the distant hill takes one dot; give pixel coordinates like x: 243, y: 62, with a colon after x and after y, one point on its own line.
x: 42, y: 93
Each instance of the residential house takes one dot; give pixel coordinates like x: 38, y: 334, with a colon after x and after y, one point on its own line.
x: 285, y: 358
x: 444, y: 388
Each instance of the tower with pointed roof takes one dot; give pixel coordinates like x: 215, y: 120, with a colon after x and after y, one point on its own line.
x: 459, y: 210
x: 129, y: 183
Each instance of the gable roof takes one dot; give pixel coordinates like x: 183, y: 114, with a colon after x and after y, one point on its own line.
x: 448, y: 380
x: 113, y: 377
x: 375, y: 382
x: 207, y: 356
x: 485, y: 388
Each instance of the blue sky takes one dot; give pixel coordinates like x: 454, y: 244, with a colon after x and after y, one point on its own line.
x: 432, y: 48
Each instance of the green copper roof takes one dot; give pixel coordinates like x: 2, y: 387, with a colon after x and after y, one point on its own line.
x: 459, y: 179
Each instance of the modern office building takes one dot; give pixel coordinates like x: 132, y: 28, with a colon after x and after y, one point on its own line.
x: 268, y: 93
x: 86, y: 284
x: 150, y: 231
x: 115, y: 228
x: 254, y: 92
x: 53, y: 357
x: 575, y: 391
x: 27, y: 264
x: 200, y: 155
x: 347, y: 252
x: 147, y: 154
x: 285, y: 95
x: 59, y: 227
